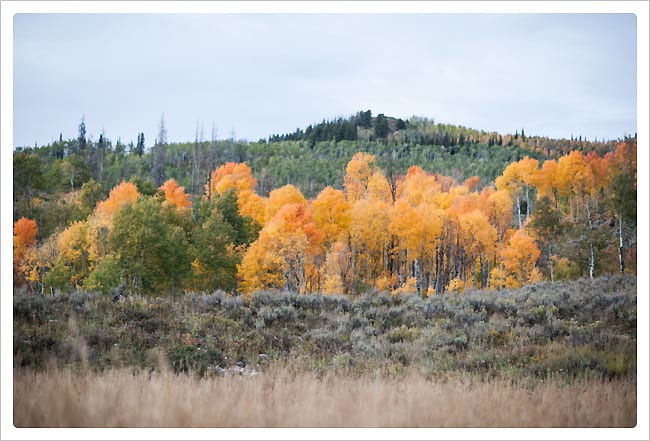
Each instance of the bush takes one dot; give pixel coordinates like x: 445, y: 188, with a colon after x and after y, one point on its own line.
x: 194, y: 359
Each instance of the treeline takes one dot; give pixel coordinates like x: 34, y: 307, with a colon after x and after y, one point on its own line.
x: 45, y: 177
x: 414, y: 232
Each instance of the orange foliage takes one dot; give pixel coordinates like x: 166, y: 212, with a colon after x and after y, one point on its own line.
x: 123, y: 193
x: 280, y: 197
x: 175, y: 194
x: 239, y: 178
x: 25, y: 231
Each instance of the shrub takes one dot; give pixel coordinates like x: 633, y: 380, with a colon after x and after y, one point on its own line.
x: 194, y: 359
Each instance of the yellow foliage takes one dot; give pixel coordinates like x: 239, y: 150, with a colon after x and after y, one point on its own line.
x: 408, y: 287
x: 280, y: 197
x: 357, y: 174
x: 337, y: 264
x: 281, y: 254
x: 519, y: 257
x: 384, y: 283
x: 331, y: 214
x: 455, y: 285
x: 379, y: 188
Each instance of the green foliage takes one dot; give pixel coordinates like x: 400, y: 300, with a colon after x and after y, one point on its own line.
x: 90, y: 193
x: 624, y: 196
x: 145, y: 186
x: 152, y: 248
x: 381, y: 126
x: 57, y: 277
x: 61, y: 183
x: 194, y: 359
x: 105, y: 276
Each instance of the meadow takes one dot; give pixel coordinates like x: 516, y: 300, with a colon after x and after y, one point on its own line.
x: 544, y: 355
x: 120, y: 398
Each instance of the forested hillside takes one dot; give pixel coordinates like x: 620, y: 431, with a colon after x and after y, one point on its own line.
x: 344, y: 206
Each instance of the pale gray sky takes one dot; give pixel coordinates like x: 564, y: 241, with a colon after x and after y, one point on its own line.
x: 554, y: 75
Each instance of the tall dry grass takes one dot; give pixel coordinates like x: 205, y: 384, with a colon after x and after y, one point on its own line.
x: 119, y: 398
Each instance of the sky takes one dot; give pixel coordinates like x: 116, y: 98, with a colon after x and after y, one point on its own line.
x: 252, y: 75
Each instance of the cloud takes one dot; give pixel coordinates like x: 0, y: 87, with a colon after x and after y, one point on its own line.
x: 269, y: 73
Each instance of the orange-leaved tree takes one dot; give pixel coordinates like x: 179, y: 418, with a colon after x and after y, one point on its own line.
x: 175, y: 194
x: 121, y: 194
x: 238, y: 177
x: 25, y: 232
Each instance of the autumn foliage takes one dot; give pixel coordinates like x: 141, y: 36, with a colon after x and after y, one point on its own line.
x: 418, y: 232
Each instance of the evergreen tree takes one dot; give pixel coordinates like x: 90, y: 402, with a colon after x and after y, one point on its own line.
x: 381, y: 126
x: 139, y: 148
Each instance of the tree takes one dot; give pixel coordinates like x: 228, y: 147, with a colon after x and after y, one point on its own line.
x: 220, y: 238
x: 477, y: 239
x: 139, y: 147
x: 246, y: 230
x: 575, y: 180
x: 623, y: 205
x: 151, y: 247
x: 105, y: 275
x: 215, y: 256
x: 28, y: 182
x: 81, y: 138
x: 516, y: 180
x: 357, y: 173
x: 73, y: 247
x: 369, y: 239
x: 365, y: 119
x: 282, y: 255
x: 379, y: 189
x: 331, y: 214
x: 381, y: 126
x: 278, y: 198
x: 519, y: 257
x: 548, y: 225
x: 122, y: 194
x: 175, y: 194
x: 25, y: 232
x: 546, y: 182
x: 158, y: 172
x: 89, y: 195
x: 237, y: 177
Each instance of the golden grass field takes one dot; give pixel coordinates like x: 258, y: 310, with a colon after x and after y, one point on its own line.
x: 120, y: 398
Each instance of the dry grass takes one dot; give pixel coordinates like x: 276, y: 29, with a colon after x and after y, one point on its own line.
x: 119, y: 398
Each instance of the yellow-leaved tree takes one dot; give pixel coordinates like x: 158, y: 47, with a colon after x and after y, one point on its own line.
x: 282, y: 256
x: 331, y: 214
x: 357, y: 174
x: 519, y: 259
x: 278, y: 198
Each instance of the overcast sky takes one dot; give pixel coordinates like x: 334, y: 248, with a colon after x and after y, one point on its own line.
x: 553, y: 75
